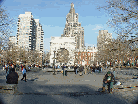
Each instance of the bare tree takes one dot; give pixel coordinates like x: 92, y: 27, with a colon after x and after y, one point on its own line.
x: 124, y: 16
x: 124, y: 19
x: 46, y: 57
x: 6, y: 25
x: 62, y: 55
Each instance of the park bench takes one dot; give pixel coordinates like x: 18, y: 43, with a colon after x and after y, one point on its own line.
x: 8, y: 89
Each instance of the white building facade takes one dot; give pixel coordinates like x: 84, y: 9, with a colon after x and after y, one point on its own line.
x: 39, y: 36
x: 62, y: 42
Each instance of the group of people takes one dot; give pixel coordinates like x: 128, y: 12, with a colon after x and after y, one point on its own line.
x: 11, y: 74
x: 88, y: 69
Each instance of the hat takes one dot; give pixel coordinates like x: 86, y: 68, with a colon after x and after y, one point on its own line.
x: 108, y: 72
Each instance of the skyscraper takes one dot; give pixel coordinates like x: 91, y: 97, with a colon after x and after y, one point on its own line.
x: 39, y: 36
x: 30, y: 33
x: 73, y: 28
x: 26, y: 31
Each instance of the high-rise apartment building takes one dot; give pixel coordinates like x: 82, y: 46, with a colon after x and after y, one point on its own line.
x: 26, y: 31
x: 103, y: 38
x: 30, y: 33
x: 39, y: 36
x: 73, y: 28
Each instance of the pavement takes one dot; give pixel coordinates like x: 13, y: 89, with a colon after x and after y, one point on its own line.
x: 42, y: 87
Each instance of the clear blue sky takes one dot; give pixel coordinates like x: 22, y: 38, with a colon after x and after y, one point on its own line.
x: 52, y: 16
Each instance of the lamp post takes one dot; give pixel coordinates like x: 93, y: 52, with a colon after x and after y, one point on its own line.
x: 54, y: 63
x: 132, y: 49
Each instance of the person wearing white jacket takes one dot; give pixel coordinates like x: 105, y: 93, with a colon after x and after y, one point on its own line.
x: 24, y: 73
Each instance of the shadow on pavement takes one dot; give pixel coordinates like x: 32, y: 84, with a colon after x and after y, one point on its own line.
x: 32, y: 93
x: 3, y: 82
x: 63, y: 94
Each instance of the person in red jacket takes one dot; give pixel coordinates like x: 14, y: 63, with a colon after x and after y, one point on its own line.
x: 21, y: 67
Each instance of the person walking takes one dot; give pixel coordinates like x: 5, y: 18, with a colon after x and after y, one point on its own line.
x: 81, y: 70
x: 75, y: 69
x: 21, y: 67
x: 15, y: 66
x: 99, y: 68
x: 63, y: 69
x: 6, y: 67
x: 85, y: 69
x: 24, y: 73
x: 3, y: 66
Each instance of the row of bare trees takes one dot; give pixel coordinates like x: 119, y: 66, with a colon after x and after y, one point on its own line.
x: 8, y: 51
x: 121, y: 50
x: 15, y: 54
x: 123, y: 17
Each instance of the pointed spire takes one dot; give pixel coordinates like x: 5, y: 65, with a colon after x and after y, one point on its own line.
x: 72, y: 10
x: 72, y: 5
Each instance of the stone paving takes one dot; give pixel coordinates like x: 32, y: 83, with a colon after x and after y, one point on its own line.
x: 44, y: 82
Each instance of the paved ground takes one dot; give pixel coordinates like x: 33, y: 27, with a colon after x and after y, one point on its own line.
x: 42, y: 87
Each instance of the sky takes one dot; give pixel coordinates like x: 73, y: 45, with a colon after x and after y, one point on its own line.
x: 52, y: 16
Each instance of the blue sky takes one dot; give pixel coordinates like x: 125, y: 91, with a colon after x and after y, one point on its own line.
x: 52, y: 16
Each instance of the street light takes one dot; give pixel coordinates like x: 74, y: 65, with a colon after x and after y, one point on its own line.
x: 54, y: 63
x: 133, y: 50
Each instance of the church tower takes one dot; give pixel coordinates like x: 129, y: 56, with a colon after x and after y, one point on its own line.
x: 73, y: 28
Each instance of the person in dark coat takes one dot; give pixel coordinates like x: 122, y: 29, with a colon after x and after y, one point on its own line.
x: 12, y: 77
x: 93, y: 68
x: 63, y: 67
x: 12, y: 68
x: 81, y: 68
x: 75, y: 69
x: 99, y: 68
x: 108, y: 79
